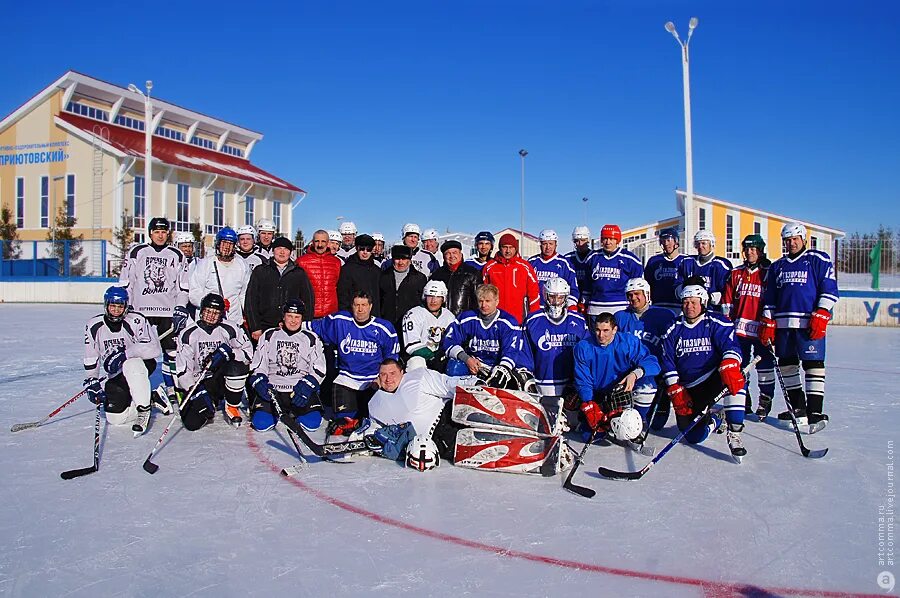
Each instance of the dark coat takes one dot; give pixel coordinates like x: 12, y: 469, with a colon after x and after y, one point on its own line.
x: 268, y: 290
x: 357, y: 275
x: 461, y: 287
x: 395, y: 302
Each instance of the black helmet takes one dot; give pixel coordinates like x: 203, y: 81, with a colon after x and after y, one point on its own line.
x: 293, y: 306
x: 158, y: 223
x: 213, y: 301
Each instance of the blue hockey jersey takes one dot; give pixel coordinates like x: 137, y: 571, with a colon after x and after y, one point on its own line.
x: 580, y: 267
x: 498, y: 341
x: 360, y: 347
x: 693, y: 352
x: 662, y: 274
x: 798, y: 286
x: 598, y: 369
x: 649, y: 327
x: 555, y: 267
x: 475, y: 263
x: 551, y: 347
x: 714, y: 272
x: 607, y: 277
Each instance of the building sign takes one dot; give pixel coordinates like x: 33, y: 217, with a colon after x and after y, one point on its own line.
x: 33, y: 153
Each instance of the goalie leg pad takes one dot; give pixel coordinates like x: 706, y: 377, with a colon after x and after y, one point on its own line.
x: 498, y: 409
x: 495, y: 450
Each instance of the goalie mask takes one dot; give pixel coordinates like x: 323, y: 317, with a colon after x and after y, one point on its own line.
x: 628, y: 425
x: 422, y: 453
x: 556, y: 292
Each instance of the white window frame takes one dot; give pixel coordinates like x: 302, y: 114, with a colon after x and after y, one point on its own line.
x: 45, y: 201
x: 183, y: 225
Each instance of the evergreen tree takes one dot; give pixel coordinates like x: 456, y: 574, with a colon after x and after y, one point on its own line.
x: 9, y: 235
x: 299, y: 241
x: 198, y: 237
x: 65, y: 241
x: 122, y: 239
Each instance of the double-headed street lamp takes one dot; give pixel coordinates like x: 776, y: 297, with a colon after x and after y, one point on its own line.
x: 689, y: 165
x: 148, y: 142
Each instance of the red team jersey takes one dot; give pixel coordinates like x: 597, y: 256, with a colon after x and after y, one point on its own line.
x: 742, y: 298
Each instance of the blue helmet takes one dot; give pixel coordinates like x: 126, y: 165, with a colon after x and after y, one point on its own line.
x: 226, y: 234
x: 115, y: 296
x: 484, y: 236
x: 668, y: 233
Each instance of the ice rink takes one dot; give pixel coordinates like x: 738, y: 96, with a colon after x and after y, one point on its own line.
x: 217, y: 519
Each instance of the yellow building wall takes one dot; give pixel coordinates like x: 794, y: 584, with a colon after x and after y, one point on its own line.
x: 718, y: 228
x: 747, y: 218
x: 773, y: 248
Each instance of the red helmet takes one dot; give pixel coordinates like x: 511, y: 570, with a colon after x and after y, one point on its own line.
x: 611, y: 231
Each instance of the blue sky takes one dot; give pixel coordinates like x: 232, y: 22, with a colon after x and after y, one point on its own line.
x: 415, y: 111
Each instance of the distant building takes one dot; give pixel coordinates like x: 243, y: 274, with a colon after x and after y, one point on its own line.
x: 730, y: 223
x: 531, y: 245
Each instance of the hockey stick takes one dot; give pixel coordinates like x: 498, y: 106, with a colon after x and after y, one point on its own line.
x: 817, y: 454
x: 76, y: 473
x: 329, y: 449
x: 636, y: 475
x: 151, y: 467
x: 574, y: 488
x: 293, y: 469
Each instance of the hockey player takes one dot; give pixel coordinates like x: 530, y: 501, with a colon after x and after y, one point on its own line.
x: 609, y: 270
x: 334, y: 242
x: 362, y: 342
x: 246, y: 247
x: 649, y: 324
x: 578, y: 259
x: 378, y: 253
x: 549, y: 264
x: 289, y: 367
x: 712, y: 268
x: 348, y: 240
x: 422, y: 261
x: 156, y: 277
x: 488, y: 342
x: 798, y: 300
x: 223, y: 275
x: 184, y: 241
x: 700, y: 360
x: 216, y: 353
x: 265, y: 236
x: 607, y: 368
x: 430, y: 244
x: 424, y: 326
x: 484, y: 246
x: 662, y: 272
x: 460, y: 278
x: 742, y: 303
x: 125, y: 346
x: 515, y: 279
x: 551, y: 335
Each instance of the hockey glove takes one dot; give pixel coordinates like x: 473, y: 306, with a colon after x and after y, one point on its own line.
x: 817, y: 324
x: 732, y: 378
x: 592, y: 414
x: 220, y: 356
x: 304, y: 390
x: 260, y: 385
x: 95, y: 392
x: 343, y: 426
x: 766, y: 331
x: 500, y: 376
x: 681, y: 400
x: 179, y: 319
x: 114, y: 361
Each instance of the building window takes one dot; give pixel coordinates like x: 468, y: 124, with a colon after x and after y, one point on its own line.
x: 45, y: 202
x: 813, y: 242
x: 202, y: 142
x: 89, y: 111
x: 139, y: 203
x: 757, y: 228
x: 218, y: 210
x: 182, y: 213
x: 702, y: 219
x: 729, y: 235
x: 249, y: 200
x: 20, y: 202
x: 70, y: 198
x: 232, y: 151
x: 131, y: 123
x: 169, y: 133
x: 276, y: 215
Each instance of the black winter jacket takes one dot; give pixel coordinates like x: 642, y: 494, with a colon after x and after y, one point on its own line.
x: 395, y: 302
x: 461, y: 287
x: 268, y: 290
x: 357, y: 275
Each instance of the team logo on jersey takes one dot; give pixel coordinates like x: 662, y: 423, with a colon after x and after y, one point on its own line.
x: 435, y: 333
x: 358, y: 345
x: 548, y: 341
x: 791, y: 277
x: 665, y: 274
x: 286, y: 358
x: 484, y: 345
x: 111, y: 345
x: 606, y: 272
x: 154, y: 275
x: 204, y: 348
x: 684, y: 346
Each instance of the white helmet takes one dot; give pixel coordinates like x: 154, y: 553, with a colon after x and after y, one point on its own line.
x: 628, y: 425
x: 334, y: 235
x: 378, y: 237
x: 581, y: 232
x: 246, y: 230
x: 638, y: 284
x: 434, y: 288
x: 695, y: 290
x: 704, y: 235
x: 410, y: 229
x: 793, y: 229
x: 183, y: 237
x: 422, y: 453
x: 347, y: 228
x: 265, y: 225
x: 556, y: 286
x: 548, y: 234
x: 430, y: 234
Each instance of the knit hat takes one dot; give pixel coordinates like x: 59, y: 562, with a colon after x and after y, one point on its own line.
x: 283, y: 242
x: 401, y: 252
x: 451, y: 244
x: 364, y: 241
x: 508, y: 239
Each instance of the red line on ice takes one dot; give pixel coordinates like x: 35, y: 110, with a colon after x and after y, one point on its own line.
x: 711, y: 589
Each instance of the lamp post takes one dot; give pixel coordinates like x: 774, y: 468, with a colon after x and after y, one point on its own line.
x: 148, y: 142
x: 53, y: 216
x: 585, y: 202
x: 522, y: 154
x: 689, y: 165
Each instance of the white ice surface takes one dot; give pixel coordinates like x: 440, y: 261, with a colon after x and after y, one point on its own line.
x: 218, y: 519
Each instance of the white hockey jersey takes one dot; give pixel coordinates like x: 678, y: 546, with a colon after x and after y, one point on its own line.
x: 199, y: 340
x: 156, y: 279
x: 229, y: 279
x: 252, y: 259
x: 424, y: 330
x: 419, y: 399
x: 101, y: 339
x: 286, y: 357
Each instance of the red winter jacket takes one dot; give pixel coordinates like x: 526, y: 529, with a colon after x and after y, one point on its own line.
x: 518, y: 284
x: 323, y: 271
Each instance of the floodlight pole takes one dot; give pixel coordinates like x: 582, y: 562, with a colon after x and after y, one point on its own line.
x: 522, y: 154
x: 688, y: 150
